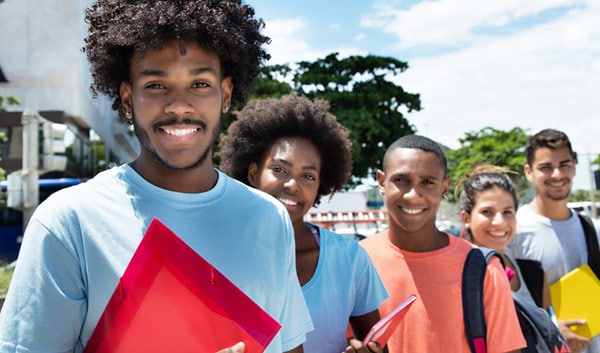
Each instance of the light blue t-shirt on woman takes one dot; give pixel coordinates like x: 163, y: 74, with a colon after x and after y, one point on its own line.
x: 345, y: 284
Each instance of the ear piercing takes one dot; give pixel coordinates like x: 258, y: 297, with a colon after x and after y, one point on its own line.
x: 225, y: 109
x: 444, y: 196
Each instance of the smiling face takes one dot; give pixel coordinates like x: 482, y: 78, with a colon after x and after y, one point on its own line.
x: 176, y: 101
x: 413, y: 184
x: 290, y: 172
x: 492, y: 220
x: 552, y: 173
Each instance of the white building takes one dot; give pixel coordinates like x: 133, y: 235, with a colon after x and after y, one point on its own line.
x: 42, y: 60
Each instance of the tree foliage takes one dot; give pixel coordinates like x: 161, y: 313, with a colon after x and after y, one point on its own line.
x: 363, y: 96
x: 6, y: 101
x: 490, y: 146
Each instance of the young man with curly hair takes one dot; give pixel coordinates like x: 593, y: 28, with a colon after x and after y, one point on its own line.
x: 295, y: 150
x: 172, y: 69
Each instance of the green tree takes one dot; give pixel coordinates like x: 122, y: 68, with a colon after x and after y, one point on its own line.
x: 583, y: 195
x: 363, y: 96
x: 6, y: 101
x: 490, y: 146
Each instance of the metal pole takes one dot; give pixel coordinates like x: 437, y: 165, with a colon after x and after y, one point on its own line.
x: 592, y: 189
x: 30, y: 122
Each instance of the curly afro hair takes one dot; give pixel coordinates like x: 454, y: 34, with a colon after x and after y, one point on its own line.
x: 262, y: 122
x: 119, y: 27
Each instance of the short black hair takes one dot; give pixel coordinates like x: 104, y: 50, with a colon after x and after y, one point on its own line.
x: 548, y: 138
x: 417, y: 142
x: 226, y: 28
x: 262, y: 122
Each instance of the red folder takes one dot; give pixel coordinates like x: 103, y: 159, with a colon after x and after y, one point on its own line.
x: 170, y: 299
x: 383, y: 329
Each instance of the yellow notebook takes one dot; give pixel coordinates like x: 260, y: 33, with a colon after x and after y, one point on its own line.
x: 577, y: 296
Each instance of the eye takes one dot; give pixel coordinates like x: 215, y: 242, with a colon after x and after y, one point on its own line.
x: 200, y: 85
x: 545, y: 168
x: 566, y: 166
x: 154, y: 86
x: 401, y: 180
x: 487, y: 212
x: 277, y: 169
x: 509, y: 212
x: 310, y: 177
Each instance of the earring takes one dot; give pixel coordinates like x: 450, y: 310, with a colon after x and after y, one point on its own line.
x: 444, y: 196
x: 128, y: 116
x: 225, y: 109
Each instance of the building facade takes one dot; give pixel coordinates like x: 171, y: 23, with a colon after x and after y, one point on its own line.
x: 44, y: 66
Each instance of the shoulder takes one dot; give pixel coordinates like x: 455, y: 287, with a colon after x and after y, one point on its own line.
x: 340, y: 244
x: 377, y: 238
x: 246, y: 197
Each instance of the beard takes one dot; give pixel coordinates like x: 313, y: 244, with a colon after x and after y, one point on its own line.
x: 142, y: 136
x: 557, y: 195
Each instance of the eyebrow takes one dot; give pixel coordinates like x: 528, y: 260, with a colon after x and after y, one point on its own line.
x: 565, y: 161
x: 162, y: 73
x: 407, y: 175
x: 286, y: 162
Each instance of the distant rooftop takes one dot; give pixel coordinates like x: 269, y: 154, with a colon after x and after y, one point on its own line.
x: 3, y: 78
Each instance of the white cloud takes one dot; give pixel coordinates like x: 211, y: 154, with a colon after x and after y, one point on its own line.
x: 544, y: 77
x: 289, y: 45
x: 538, y: 77
x: 448, y: 23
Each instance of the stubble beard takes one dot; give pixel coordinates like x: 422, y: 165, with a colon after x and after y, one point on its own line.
x: 556, y: 196
x: 142, y: 136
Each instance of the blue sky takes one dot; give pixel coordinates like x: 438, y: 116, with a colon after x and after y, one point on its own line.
x: 533, y: 64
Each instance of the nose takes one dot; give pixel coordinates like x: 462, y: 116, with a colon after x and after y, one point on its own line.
x: 291, y: 185
x: 556, y: 172
x: 498, y: 218
x: 411, y: 193
x: 178, y: 104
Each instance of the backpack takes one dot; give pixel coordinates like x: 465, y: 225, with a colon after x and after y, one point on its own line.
x: 540, y: 332
x: 591, y: 240
x: 533, y: 273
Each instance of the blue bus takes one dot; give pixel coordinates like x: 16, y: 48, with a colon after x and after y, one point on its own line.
x: 11, y: 220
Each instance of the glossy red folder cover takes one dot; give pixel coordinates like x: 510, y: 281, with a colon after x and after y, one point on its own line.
x: 383, y: 329
x: 170, y: 299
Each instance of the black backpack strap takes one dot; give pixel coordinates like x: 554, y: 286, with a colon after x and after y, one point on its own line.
x: 472, y: 297
x: 591, y: 241
x: 533, y: 276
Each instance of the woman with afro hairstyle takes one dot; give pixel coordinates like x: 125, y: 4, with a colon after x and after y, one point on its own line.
x: 172, y: 68
x: 295, y: 150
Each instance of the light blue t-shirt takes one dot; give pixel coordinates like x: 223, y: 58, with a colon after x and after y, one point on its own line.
x: 80, y: 240
x: 345, y: 283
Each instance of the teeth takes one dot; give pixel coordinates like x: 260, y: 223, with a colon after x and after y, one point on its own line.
x: 288, y: 202
x: 498, y: 234
x: 180, y: 132
x: 412, y: 210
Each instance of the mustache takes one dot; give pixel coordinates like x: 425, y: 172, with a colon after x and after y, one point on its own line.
x: 176, y: 121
